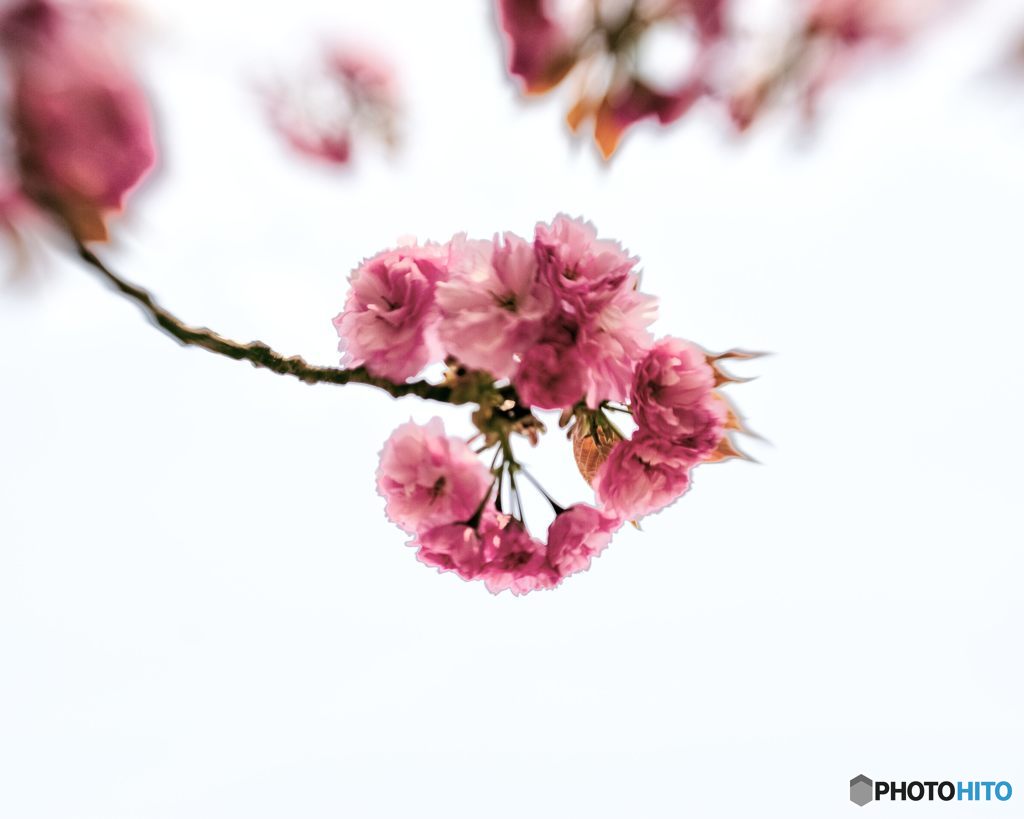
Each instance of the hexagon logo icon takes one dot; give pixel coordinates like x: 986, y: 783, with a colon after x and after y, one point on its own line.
x: 862, y: 790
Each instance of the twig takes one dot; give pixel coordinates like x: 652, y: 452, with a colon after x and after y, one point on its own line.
x: 256, y: 352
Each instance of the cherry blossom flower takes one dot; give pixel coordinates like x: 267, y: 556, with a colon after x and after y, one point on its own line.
x: 454, y: 547
x: 611, y: 346
x: 584, y: 271
x: 82, y: 126
x: 578, y: 535
x: 599, y: 310
x: 497, y: 550
x: 493, y: 304
x: 673, y: 397
x: 390, y: 317
x: 550, y: 375
x: 641, y: 476
x: 429, y: 479
x: 514, y: 560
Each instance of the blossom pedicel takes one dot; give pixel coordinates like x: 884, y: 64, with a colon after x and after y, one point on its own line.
x: 559, y: 324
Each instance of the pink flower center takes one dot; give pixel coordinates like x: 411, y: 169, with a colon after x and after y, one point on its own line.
x: 437, y: 489
x: 647, y: 465
x: 516, y: 560
x: 506, y: 302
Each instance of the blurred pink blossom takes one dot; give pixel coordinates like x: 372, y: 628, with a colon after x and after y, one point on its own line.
x: 81, y: 123
x: 855, y: 21
x: 349, y: 95
x: 542, y: 48
x: 709, y: 16
x: 626, y: 105
x: 831, y: 38
x: 599, y: 46
x: 599, y: 42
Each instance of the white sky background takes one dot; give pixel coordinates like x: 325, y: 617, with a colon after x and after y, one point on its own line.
x: 204, y: 613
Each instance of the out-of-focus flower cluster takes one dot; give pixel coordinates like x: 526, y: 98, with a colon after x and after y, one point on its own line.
x: 349, y: 94
x: 599, y: 44
x: 77, y: 132
x: 556, y: 323
x: 1013, y: 61
x: 830, y: 37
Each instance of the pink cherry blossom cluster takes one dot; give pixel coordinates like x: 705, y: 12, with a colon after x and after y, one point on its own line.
x: 439, y: 491
x: 600, y: 42
x: 557, y: 323
x: 349, y: 93
x: 77, y: 122
x: 561, y: 317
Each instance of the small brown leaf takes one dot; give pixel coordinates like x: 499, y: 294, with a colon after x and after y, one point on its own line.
x: 608, y: 129
x: 741, y: 354
x: 722, y: 377
x: 581, y: 110
x: 591, y: 449
x: 732, y: 420
x: 725, y: 450
x: 557, y: 69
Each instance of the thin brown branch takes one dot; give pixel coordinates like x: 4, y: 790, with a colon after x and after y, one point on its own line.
x: 256, y: 352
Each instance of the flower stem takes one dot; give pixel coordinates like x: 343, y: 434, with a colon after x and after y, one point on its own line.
x: 474, y: 521
x: 515, y: 501
x: 536, y: 484
x: 603, y: 420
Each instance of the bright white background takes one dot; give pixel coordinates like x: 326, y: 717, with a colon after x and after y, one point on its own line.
x: 204, y: 613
